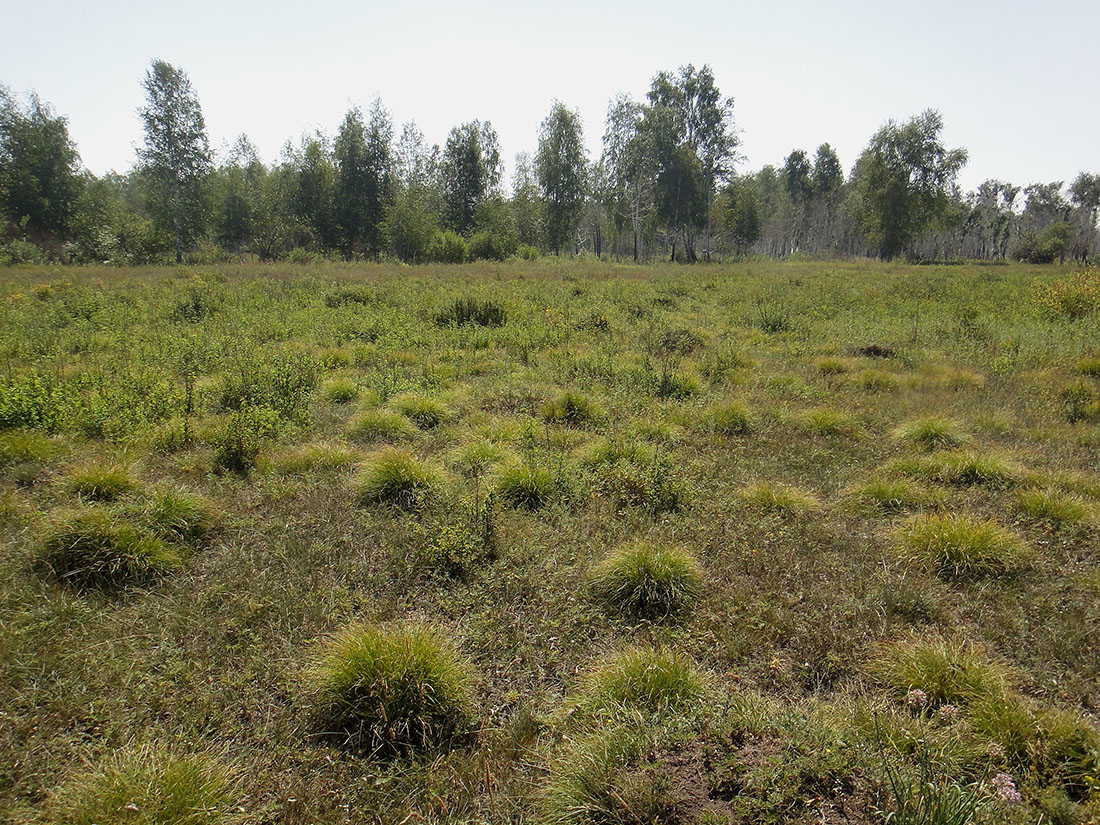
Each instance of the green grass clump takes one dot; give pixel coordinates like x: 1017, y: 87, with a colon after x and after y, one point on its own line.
x: 393, y: 476
x: 340, y: 390
x: 648, y: 680
x: 646, y: 581
x: 1079, y: 402
x: 877, y: 381
x: 1051, y: 507
x: 151, y: 786
x: 948, y: 671
x: 963, y: 468
x: 93, y: 549
x: 521, y: 485
x: 392, y: 689
x: 372, y: 426
x: 729, y: 418
x: 829, y: 365
x: 959, y: 547
x: 599, y: 778
x: 829, y: 422
x: 478, y: 455
x: 1089, y: 366
x: 99, y: 483
x: 177, y: 515
x: 307, y: 457
x: 472, y: 312
x: 778, y: 498
x: 423, y: 411
x: 572, y: 409
x: 892, y: 495
x: 25, y: 447
x: 931, y: 433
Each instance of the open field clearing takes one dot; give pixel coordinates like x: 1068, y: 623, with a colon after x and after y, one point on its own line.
x: 549, y: 541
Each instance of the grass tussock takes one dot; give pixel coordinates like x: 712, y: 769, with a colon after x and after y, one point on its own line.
x: 393, y: 476
x: 388, y: 690
x: 960, y: 547
x: 374, y: 426
x: 781, y: 499
x: 646, y: 680
x: 572, y: 409
x: 949, y: 671
x: 647, y: 581
x: 179, y: 515
x: 1051, y: 507
x: 100, y: 483
x: 962, y: 468
x: 895, y: 495
x: 877, y: 381
x: 831, y: 366
x: 527, y: 487
x: 340, y: 390
x: 150, y: 785
x: 425, y: 412
x: 1089, y: 366
x: 728, y: 418
x: 309, y: 457
x: 26, y: 447
x: 94, y: 549
x: 828, y: 422
x: 932, y: 433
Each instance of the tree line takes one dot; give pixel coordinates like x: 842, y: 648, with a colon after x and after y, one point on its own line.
x: 665, y: 185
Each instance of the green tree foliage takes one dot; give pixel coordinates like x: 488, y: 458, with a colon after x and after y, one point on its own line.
x: 363, y: 158
x: 630, y: 166
x: 39, y: 166
x: 313, y: 195
x: 176, y: 154
x: 526, y: 202
x: 238, y: 188
x: 470, y: 172
x: 739, y: 213
x: 904, y: 182
x: 560, y: 166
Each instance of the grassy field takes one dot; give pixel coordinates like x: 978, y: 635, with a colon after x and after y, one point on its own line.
x: 552, y: 542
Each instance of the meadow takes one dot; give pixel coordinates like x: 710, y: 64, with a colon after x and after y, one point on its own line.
x: 550, y: 541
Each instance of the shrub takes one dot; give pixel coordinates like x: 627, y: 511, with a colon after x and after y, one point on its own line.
x: 948, y: 671
x: 570, y: 408
x: 1075, y: 296
x: 521, y: 485
x: 449, y: 248
x: 393, y: 476
x: 527, y: 252
x: 238, y: 441
x: 333, y: 359
x: 650, y: 481
x: 392, y: 689
x: 957, y: 547
x: 92, y: 549
x: 178, y: 515
x: 380, y: 425
x: 340, y: 390
x: 931, y: 433
x: 1053, y: 508
x: 358, y: 295
x: 773, y: 316
x: 100, y: 483
x: 490, y: 246
x: 1078, y: 401
x: 728, y: 418
x: 778, y: 498
x: 471, y: 311
x: 151, y: 786
x: 308, y: 457
x: 829, y: 422
x: 422, y: 410
x: 678, y: 341
x: 643, y: 679
x: 894, y: 495
x: 648, y: 582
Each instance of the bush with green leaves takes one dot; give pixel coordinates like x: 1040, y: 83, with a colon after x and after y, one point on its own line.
x: 646, y: 680
x: 472, y: 312
x: 99, y: 550
x: 151, y: 785
x: 647, y: 581
x: 393, y: 476
x: 392, y: 689
x: 238, y: 441
x: 526, y: 252
x: 960, y: 547
x: 449, y: 248
x: 491, y: 246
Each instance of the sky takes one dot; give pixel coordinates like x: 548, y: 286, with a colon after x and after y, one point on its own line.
x: 1017, y: 84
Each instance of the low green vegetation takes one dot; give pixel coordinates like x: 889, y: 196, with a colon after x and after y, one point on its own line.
x: 548, y: 540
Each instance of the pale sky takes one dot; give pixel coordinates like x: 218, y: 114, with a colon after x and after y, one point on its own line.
x: 1018, y: 84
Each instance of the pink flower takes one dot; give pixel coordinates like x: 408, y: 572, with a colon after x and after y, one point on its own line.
x: 917, y: 699
x: 1005, y: 788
